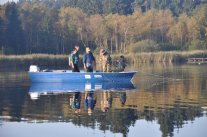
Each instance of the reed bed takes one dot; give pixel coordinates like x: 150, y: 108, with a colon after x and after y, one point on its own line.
x: 62, y: 60
x: 37, y: 59
x: 167, y: 57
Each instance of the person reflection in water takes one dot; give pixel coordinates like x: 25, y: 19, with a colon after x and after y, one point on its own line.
x: 76, y: 102
x: 90, y: 102
x: 122, y: 97
x: 106, y: 101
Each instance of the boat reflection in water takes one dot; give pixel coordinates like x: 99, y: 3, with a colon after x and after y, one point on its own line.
x: 38, y: 89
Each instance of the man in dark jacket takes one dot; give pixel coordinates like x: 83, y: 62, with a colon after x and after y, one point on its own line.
x: 88, y: 60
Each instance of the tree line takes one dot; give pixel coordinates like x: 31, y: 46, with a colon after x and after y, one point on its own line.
x: 50, y: 26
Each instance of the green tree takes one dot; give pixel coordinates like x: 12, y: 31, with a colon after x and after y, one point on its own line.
x: 113, y: 27
x: 14, y: 35
x: 98, y: 29
x: 38, y: 23
x: 91, y: 7
x: 118, y: 6
x: 176, y: 6
x: 1, y: 32
x: 73, y: 24
x: 178, y: 33
x: 200, y: 16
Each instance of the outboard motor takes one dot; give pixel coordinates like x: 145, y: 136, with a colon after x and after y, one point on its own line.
x: 34, y: 68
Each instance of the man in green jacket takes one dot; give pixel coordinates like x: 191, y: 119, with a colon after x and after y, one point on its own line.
x: 75, y: 60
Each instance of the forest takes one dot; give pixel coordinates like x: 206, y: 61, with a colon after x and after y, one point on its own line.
x: 121, y: 26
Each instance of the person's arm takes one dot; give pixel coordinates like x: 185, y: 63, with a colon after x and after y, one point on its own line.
x: 84, y: 61
x: 72, y: 60
x: 84, y: 65
x: 86, y: 101
x: 94, y: 60
x: 69, y: 58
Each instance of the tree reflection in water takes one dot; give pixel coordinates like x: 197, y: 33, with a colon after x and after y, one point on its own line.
x: 171, y: 104
x: 118, y: 117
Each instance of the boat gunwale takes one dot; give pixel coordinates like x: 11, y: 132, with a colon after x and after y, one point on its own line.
x: 70, y: 72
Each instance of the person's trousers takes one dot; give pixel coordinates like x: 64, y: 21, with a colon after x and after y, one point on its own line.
x: 89, y: 69
x: 76, y: 68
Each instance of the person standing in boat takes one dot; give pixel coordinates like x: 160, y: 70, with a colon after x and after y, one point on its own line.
x: 77, y: 54
x: 75, y: 60
x: 122, y: 63
x: 88, y: 60
x: 100, y: 60
x: 106, y: 61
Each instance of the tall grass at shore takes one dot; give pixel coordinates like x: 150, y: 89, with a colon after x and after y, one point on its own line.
x: 62, y: 60
x: 36, y: 59
x: 168, y: 57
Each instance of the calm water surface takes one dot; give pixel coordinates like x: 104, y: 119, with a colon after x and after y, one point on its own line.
x: 166, y: 100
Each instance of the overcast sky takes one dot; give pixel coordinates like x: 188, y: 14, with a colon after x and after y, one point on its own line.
x: 4, y: 1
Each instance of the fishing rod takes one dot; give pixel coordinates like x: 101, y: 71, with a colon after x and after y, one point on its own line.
x: 160, y: 76
x: 163, y: 79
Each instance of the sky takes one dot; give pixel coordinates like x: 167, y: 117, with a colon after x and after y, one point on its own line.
x: 4, y: 1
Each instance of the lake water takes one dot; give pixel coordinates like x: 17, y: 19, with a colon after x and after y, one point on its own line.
x: 165, y: 100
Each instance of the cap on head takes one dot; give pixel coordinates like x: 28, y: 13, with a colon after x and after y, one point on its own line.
x: 121, y: 56
x: 104, y: 52
x: 75, y: 50
x: 101, y: 50
x: 77, y: 47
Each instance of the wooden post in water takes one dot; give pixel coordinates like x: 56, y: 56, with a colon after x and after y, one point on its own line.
x: 2, y: 51
x: 197, y: 60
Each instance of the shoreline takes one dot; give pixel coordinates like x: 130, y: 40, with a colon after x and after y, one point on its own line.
x: 166, y: 57
x: 138, y: 58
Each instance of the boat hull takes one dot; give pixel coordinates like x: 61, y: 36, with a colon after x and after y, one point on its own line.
x: 38, y: 89
x: 68, y: 76
x: 81, y: 87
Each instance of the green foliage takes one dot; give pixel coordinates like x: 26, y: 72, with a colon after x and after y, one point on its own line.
x: 14, y: 34
x: 197, y: 45
x: 118, y: 6
x: 176, y: 6
x: 144, y: 46
x: 1, y: 31
x: 56, y: 26
x: 168, y: 47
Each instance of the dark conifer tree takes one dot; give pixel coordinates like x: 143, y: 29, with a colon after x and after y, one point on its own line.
x: 14, y: 34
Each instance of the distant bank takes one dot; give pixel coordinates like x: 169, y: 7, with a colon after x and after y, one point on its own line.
x: 62, y: 60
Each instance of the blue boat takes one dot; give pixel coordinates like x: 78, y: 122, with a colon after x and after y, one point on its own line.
x: 67, y: 76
